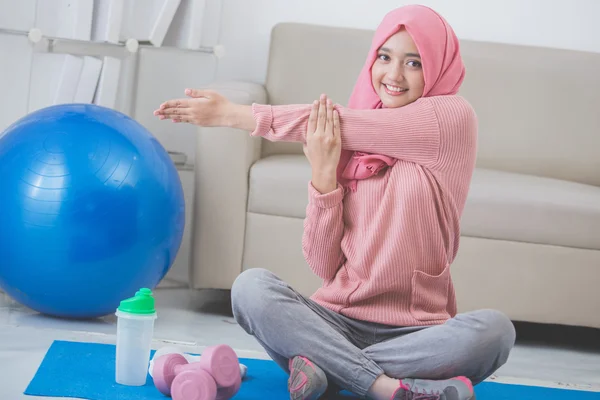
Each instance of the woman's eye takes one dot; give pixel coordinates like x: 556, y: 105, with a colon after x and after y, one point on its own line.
x: 384, y: 57
x: 415, y: 64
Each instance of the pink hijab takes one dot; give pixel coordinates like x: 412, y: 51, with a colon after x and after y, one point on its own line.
x: 443, y: 71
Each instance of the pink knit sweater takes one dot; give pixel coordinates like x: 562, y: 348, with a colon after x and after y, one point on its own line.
x: 384, y: 251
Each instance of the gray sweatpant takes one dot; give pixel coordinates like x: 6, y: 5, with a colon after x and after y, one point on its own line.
x: 354, y: 353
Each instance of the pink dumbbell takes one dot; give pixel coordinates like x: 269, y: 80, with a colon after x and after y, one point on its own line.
x: 228, y: 392
x: 215, y: 376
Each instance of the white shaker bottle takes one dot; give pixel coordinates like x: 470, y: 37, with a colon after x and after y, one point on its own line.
x: 135, y: 328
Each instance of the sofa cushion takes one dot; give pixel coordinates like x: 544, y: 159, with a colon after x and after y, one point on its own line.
x: 501, y: 205
x: 279, y: 186
x: 525, y: 208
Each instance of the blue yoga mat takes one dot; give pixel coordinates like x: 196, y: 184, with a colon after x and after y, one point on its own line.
x: 87, y: 371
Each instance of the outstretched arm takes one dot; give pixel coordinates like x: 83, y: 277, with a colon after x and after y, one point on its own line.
x: 410, y: 133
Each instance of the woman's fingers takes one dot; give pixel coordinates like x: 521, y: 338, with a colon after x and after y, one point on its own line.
x: 182, y: 118
x: 312, y: 119
x: 175, y: 103
x: 172, y: 112
x: 336, y: 126
x: 172, y: 108
x: 329, y: 123
x: 322, y: 115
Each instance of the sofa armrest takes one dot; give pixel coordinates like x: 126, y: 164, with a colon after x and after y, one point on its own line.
x: 223, y: 160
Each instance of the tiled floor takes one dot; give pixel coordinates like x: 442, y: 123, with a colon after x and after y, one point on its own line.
x: 547, y: 356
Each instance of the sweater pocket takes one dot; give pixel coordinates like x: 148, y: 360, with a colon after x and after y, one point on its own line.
x: 429, y: 296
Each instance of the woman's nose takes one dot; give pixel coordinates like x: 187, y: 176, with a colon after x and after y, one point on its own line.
x: 396, y: 73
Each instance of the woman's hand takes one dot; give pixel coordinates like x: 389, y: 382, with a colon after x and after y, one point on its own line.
x: 203, y: 108
x: 323, y: 145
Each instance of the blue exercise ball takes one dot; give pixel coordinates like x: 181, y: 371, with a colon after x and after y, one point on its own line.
x: 91, y: 210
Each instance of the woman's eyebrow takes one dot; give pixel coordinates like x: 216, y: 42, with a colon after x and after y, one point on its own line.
x: 386, y: 50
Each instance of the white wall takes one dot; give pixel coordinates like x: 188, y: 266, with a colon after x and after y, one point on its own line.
x: 246, y: 24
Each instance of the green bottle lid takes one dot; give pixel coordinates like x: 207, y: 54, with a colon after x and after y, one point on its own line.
x: 142, y: 303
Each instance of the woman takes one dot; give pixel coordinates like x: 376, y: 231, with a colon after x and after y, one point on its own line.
x: 390, y: 177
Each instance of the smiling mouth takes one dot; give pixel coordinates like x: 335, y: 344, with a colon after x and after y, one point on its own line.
x: 394, y: 90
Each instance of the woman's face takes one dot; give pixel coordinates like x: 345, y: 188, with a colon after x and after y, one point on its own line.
x: 397, y: 73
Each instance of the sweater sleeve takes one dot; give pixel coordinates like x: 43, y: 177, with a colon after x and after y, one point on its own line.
x: 323, y: 232
x: 410, y: 133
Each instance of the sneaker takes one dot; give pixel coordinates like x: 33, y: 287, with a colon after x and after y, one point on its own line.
x: 307, y: 381
x: 459, y: 388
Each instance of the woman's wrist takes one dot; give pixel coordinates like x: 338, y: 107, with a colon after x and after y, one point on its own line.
x: 239, y: 116
x: 324, y: 181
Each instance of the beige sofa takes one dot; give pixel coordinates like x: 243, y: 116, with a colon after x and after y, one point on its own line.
x: 531, y: 229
